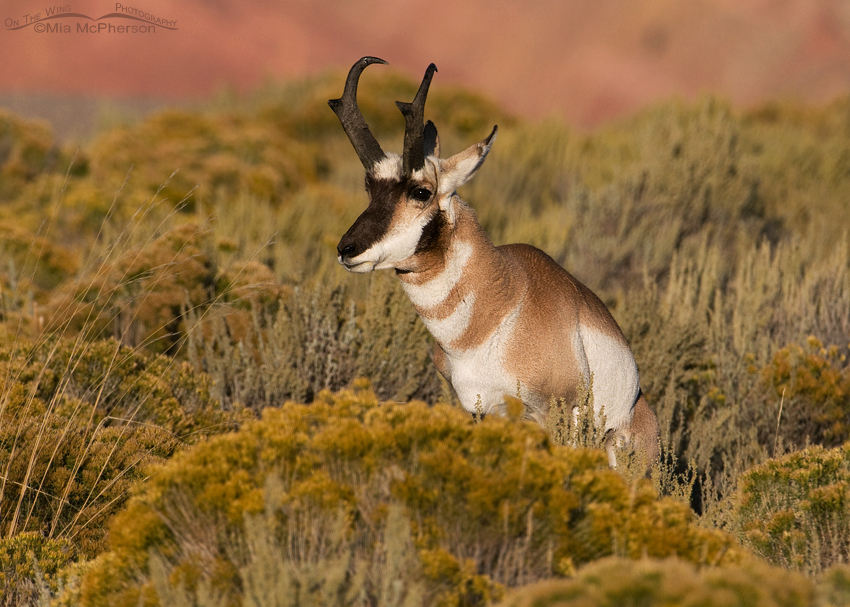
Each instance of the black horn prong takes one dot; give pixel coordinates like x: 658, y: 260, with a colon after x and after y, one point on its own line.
x: 413, y: 157
x: 365, y: 144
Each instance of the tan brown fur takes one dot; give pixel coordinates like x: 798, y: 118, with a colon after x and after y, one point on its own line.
x: 644, y: 432
x: 554, y: 303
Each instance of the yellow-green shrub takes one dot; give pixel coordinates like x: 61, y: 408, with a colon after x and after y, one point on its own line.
x: 27, y: 150
x: 140, y: 296
x: 813, y: 385
x: 487, y: 504
x: 78, y: 424
x: 29, y: 564
x: 616, y: 582
x: 121, y: 385
x: 795, y: 510
x: 217, y: 155
x: 834, y: 587
x: 310, y: 339
x: 300, y: 108
x: 32, y: 263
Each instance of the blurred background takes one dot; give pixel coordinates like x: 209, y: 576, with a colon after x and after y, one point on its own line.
x: 587, y: 61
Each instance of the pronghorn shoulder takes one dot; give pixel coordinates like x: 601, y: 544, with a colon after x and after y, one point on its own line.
x: 540, y: 267
x: 546, y: 276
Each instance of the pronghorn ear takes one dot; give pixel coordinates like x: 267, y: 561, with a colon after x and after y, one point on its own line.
x: 457, y: 170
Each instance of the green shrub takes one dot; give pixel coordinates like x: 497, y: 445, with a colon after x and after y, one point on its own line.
x: 701, y: 338
x: 488, y: 504
x: 309, y: 340
x: 795, y: 511
x: 379, y: 567
x: 288, y: 348
x: 395, y: 351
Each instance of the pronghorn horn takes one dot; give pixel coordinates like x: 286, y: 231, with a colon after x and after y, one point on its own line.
x: 413, y: 157
x: 365, y: 144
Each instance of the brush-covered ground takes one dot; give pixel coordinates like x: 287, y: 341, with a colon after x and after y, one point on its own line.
x: 198, y: 406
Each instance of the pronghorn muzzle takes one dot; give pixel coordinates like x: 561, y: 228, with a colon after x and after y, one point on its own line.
x: 373, y: 224
x: 367, y: 230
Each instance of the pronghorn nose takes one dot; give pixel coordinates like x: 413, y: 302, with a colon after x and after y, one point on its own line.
x: 345, y: 251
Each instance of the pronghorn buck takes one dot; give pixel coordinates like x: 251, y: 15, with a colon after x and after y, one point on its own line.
x: 504, y: 318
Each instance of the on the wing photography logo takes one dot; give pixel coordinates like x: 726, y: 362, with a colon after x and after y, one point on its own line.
x: 63, y: 20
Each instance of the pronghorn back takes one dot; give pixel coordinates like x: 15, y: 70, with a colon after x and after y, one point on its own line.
x: 508, y: 320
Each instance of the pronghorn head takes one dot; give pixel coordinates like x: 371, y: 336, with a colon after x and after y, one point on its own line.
x: 411, y: 197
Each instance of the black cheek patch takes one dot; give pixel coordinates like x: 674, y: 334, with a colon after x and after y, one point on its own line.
x: 432, y: 234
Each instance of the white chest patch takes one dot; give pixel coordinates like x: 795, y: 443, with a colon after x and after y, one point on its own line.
x: 478, y: 374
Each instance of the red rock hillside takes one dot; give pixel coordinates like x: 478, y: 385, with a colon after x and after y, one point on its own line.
x: 587, y: 60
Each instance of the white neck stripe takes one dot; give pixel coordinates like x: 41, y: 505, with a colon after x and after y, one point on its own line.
x: 436, y: 291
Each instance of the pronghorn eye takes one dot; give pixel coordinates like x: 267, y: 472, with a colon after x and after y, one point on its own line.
x: 420, y: 194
